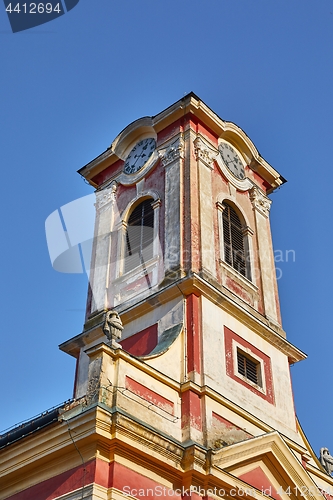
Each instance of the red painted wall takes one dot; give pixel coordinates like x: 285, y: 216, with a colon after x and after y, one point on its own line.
x: 259, y: 480
x: 149, y: 395
x: 102, y: 473
x: 193, y: 330
x: 142, y: 343
x: 59, y: 485
x: 191, y: 410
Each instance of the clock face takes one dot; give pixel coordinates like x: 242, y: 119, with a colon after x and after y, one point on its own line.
x: 232, y: 160
x: 139, y: 155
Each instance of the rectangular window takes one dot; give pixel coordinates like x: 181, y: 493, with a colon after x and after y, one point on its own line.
x: 249, y: 368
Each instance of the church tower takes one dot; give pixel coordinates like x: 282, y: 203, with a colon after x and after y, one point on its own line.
x: 182, y: 386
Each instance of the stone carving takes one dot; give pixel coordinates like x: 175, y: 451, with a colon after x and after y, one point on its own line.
x: 172, y: 152
x: 260, y: 201
x: 112, y: 328
x: 202, y: 152
x: 105, y: 195
x: 326, y: 460
x: 93, y: 388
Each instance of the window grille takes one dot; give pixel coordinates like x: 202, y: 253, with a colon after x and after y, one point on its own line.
x: 233, y: 239
x: 248, y: 367
x: 139, y: 236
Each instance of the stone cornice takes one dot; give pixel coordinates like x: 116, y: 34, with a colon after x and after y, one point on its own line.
x: 141, y: 437
x: 98, y: 432
x: 321, y: 475
x: 105, y: 433
x: 119, y: 354
x: 316, y: 469
x: 268, y: 330
x: 188, y: 105
x: 244, y: 313
x: 260, y: 424
x: 106, y: 195
x: 282, y: 460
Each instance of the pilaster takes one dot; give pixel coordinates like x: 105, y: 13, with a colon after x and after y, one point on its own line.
x: 99, y: 273
x: 205, y: 158
x: 172, y: 160
x: 266, y: 272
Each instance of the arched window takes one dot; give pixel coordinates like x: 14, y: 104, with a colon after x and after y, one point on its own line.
x: 234, y: 241
x: 139, y: 236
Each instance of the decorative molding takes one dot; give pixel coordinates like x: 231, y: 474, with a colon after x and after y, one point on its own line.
x: 156, y: 204
x: 247, y: 231
x: 195, y: 458
x: 146, y: 438
x: 173, y: 152
x: 122, y: 226
x: 220, y: 207
x: 106, y: 195
x: 233, y: 344
x: 204, y: 153
x: 83, y: 492
x: 151, y: 193
x: 260, y: 201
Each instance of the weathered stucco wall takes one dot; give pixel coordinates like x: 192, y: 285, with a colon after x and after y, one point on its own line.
x: 279, y: 414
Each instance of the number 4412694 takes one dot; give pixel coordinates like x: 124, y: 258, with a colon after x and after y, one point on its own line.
x: 34, y: 8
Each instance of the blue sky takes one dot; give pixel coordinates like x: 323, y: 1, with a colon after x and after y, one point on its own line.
x: 69, y: 87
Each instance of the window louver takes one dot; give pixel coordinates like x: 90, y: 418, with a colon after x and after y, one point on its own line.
x: 234, y: 252
x: 139, y: 236
x: 249, y: 368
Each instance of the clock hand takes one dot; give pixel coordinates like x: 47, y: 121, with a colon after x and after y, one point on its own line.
x: 138, y: 156
x: 235, y: 161
x: 231, y: 161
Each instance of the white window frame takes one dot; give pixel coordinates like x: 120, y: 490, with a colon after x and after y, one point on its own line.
x: 122, y: 230
x: 248, y: 353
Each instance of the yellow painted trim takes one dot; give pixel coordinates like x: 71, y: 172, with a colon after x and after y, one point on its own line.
x: 284, y: 460
x: 219, y: 295
x: 189, y: 104
x: 99, y: 433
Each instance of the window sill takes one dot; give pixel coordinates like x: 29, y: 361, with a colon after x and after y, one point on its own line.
x: 229, y: 273
x: 251, y: 384
x: 138, y: 271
